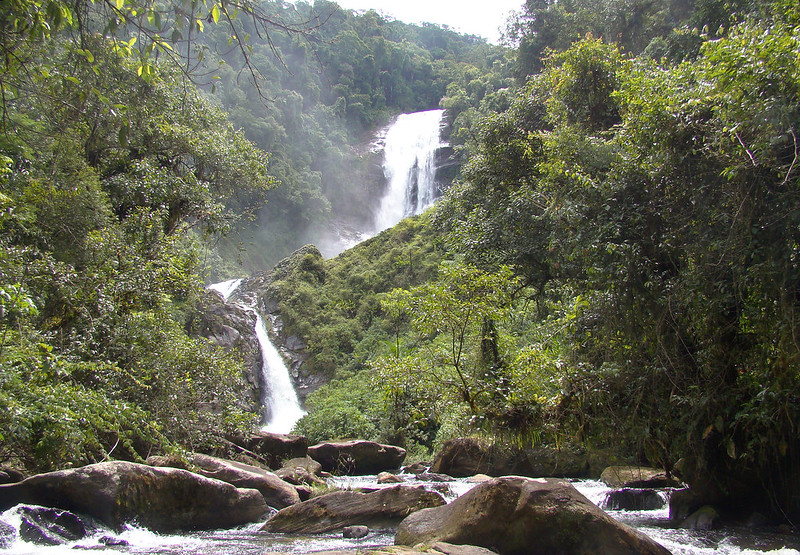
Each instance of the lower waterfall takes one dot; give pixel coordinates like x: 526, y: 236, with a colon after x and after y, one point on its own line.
x: 282, y: 408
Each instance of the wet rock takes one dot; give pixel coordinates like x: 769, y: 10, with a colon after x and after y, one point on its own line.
x: 301, y: 470
x: 357, y: 456
x: 45, y: 526
x: 451, y: 549
x: 704, y: 518
x: 7, y: 535
x: 523, y: 515
x: 416, y: 468
x: 383, y: 508
x: 277, y: 493
x: 637, y: 477
x: 355, y: 532
x: 162, y: 499
x: 631, y: 499
x: 389, y: 478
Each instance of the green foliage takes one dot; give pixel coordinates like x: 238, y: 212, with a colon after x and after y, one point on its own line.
x: 660, y: 209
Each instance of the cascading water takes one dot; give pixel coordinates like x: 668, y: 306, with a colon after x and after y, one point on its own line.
x: 282, y: 408
x: 409, y: 164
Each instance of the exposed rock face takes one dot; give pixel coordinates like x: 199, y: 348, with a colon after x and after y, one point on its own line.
x: 464, y: 457
x: 636, y: 477
x: 379, y: 509
x: 231, y: 326
x: 162, y: 499
x: 273, y: 449
x: 357, y: 456
x: 277, y: 493
x: 516, y: 515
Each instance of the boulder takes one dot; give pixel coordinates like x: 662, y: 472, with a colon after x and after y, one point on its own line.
x: 704, y: 518
x: 10, y: 475
x: 355, y: 532
x: 416, y: 468
x: 463, y: 457
x: 273, y: 449
x: 277, y: 493
x: 631, y: 499
x: 162, y: 499
x: 636, y: 477
x: 389, y: 478
x: 357, y: 456
x: 45, y: 526
x: 383, y: 508
x: 301, y: 470
x: 8, y: 534
x: 516, y: 515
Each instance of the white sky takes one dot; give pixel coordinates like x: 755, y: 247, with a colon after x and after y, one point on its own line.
x: 484, y: 18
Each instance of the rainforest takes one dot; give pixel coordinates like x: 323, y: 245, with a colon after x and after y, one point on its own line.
x: 612, y: 263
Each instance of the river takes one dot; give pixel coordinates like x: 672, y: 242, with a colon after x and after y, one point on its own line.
x: 250, y: 540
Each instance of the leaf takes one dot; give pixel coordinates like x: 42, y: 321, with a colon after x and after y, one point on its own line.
x: 731, y: 449
x: 215, y: 13
x: 120, y: 4
x: 122, y: 136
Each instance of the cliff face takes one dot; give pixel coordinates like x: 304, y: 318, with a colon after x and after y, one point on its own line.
x: 231, y: 324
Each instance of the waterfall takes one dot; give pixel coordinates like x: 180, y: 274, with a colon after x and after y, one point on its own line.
x: 409, y: 164
x: 281, y: 406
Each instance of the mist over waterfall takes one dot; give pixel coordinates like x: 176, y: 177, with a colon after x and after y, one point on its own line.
x: 282, y: 408
x: 411, y: 143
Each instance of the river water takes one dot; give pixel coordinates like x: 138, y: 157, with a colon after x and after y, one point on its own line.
x: 250, y: 540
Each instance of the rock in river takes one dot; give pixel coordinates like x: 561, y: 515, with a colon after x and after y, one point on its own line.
x: 357, y: 456
x: 379, y: 509
x: 162, y: 499
x: 515, y: 515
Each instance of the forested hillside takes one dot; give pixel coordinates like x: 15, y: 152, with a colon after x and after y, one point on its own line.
x: 316, y: 104
x: 617, y: 266
x: 619, y: 260
x: 142, y: 148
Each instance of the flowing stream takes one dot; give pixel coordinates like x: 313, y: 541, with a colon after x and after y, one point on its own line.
x: 282, y: 408
x: 249, y: 540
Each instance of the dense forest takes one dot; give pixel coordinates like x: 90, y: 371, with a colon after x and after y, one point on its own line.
x: 617, y: 266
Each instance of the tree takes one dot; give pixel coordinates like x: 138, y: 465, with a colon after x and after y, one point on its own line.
x: 449, y: 315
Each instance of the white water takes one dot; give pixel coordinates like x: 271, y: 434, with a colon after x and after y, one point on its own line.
x: 249, y: 540
x: 282, y: 408
x: 409, y: 165
x: 226, y: 288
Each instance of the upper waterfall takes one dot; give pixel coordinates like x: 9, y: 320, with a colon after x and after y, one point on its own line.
x: 409, y: 164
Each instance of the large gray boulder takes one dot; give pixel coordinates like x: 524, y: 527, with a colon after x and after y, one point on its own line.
x: 277, y: 493
x: 462, y: 457
x: 516, y: 515
x: 271, y: 448
x: 637, y: 477
x: 357, y: 456
x: 162, y: 499
x: 299, y: 471
x: 379, y: 509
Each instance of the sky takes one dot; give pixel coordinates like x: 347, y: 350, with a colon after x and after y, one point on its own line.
x: 475, y: 17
